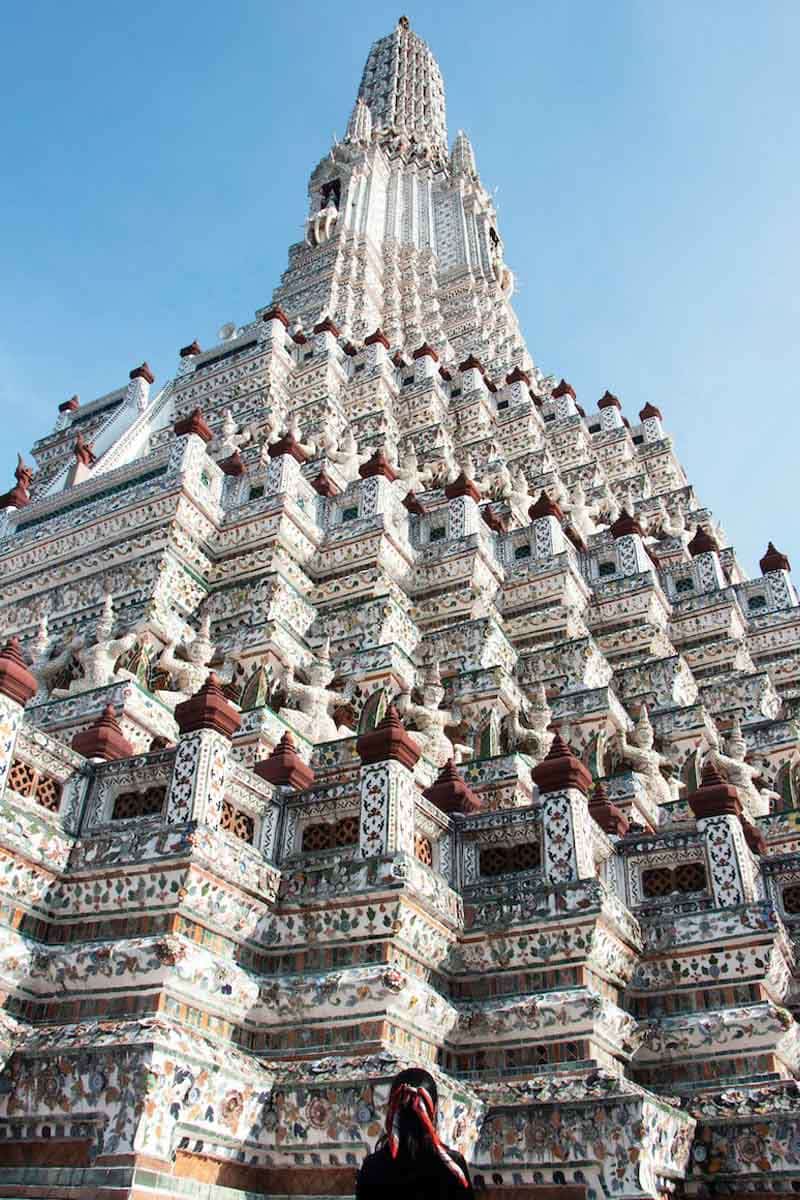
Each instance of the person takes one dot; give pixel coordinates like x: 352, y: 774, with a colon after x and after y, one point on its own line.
x: 410, y: 1162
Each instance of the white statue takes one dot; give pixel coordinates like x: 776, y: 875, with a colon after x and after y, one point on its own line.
x: 466, y: 464
x: 98, y: 658
x: 430, y: 721
x: 293, y: 430
x: 581, y: 513
x: 441, y: 472
x: 499, y: 485
x: 673, y: 524
x: 520, y: 495
x: 316, y: 699
x: 345, y: 456
x: 230, y: 441
x: 734, y: 769
x: 319, y: 225
x: 187, y: 675
x: 645, y: 760
x: 533, y: 739
x: 45, y: 668
x: 409, y: 476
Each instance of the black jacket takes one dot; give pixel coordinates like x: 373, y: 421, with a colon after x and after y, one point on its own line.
x: 425, y: 1178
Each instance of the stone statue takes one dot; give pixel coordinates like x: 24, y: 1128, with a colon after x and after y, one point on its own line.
x: 345, y: 455
x: 646, y: 761
x: 441, y: 472
x: 46, y: 669
x: 581, y: 513
x: 187, y: 675
x: 231, y: 440
x: 316, y: 700
x: 673, y: 524
x: 520, y: 495
x: 533, y: 739
x: 409, y: 476
x: 734, y: 769
x: 429, y: 722
x: 499, y: 485
x: 98, y: 657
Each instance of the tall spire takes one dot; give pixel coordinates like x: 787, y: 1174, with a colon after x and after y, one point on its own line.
x: 403, y: 88
x: 462, y: 160
x: 359, y: 127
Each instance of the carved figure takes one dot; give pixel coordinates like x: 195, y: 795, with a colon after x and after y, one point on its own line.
x: 98, y: 658
x: 409, y: 476
x: 320, y: 225
x: 732, y: 766
x: 429, y: 722
x: 581, y: 513
x: 645, y: 760
x: 316, y: 700
x: 533, y: 739
x: 187, y: 675
x: 345, y: 455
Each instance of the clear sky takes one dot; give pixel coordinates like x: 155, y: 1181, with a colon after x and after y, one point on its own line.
x: 156, y: 157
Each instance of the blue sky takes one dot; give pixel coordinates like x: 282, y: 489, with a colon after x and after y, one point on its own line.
x: 645, y: 154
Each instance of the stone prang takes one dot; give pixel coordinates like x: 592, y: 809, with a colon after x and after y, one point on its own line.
x: 369, y: 701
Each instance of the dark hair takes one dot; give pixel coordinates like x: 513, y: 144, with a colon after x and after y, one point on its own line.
x: 412, y: 1135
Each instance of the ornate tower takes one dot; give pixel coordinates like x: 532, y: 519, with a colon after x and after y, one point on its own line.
x: 367, y: 700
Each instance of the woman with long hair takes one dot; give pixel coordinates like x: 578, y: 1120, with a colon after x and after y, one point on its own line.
x: 410, y: 1161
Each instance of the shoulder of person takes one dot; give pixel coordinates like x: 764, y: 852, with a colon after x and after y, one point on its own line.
x: 372, y: 1163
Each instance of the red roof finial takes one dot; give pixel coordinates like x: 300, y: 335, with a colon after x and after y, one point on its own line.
x: 625, y: 525
x: 702, y: 543
x: 142, y: 372
x: 545, y: 507
x: 773, y: 560
x: 608, y: 400
x: 561, y: 769
x: 285, y: 767
x: 610, y: 818
x: 104, y: 738
x: 378, y: 464
x: 233, y: 465
x: 208, y: 708
x: 194, y: 423
x: 16, y: 681
x: 563, y: 388
x: 388, y: 740
x: 451, y: 793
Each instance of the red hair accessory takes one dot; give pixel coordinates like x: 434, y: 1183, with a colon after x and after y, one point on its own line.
x: 419, y: 1101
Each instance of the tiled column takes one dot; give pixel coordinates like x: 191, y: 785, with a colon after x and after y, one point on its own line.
x: 463, y: 512
x: 207, y: 722
x: 17, y: 687
x: 564, y: 783
x: 388, y: 792
x: 718, y: 812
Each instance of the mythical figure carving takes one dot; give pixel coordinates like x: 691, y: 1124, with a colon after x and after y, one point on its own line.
x: 187, y: 675
x: 428, y: 721
x: 533, y: 739
x: 98, y: 657
x: 645, y: 760
x: 732, y: 766
x: 316, y: 700
x: 582, y: 514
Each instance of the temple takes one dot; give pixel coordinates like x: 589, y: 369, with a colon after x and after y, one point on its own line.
x: 367, y: 701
